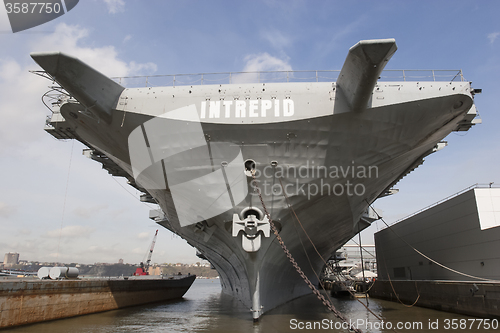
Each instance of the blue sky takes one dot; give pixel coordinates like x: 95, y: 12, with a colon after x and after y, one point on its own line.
x: 57, y: 204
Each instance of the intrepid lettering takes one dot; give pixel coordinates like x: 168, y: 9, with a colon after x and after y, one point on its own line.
x: 253, y: 108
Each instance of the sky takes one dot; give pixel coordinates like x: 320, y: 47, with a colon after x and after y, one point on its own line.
x: 57, y: 205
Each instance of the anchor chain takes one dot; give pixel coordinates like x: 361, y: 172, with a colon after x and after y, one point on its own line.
x: 322, y: 298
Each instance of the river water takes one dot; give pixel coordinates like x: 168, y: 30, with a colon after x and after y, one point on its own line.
x: 205, y: 309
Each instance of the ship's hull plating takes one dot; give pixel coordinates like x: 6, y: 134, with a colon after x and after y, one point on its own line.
x: 320, y: 158
x: 387, y: 138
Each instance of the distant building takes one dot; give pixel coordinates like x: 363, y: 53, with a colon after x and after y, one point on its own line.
x: 353, y: 255
x: 154, y: 270
x: 11, y: 259
x: 461, y: 233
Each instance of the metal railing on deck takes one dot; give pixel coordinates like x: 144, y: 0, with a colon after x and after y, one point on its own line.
x: 280, y: 76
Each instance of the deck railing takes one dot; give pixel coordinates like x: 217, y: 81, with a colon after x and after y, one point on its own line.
x: 477, y: 185
x: 280, y: 76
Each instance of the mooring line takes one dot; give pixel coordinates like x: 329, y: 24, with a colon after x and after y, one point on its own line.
x: 322, y: 298
x: 314, y: 246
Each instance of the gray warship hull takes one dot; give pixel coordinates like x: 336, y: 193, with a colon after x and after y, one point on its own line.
x: 321, y: 154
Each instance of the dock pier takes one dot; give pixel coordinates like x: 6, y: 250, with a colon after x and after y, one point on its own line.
x: 27, y: 301
x: 478, y: 299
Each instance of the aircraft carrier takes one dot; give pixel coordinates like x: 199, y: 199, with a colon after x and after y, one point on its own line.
x: 317, y: 153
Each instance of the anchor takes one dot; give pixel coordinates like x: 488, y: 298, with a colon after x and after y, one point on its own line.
x: 253, y: 229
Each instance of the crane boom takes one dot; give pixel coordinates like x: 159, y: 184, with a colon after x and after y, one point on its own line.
x: 151, y: 250
x: 143, y: 270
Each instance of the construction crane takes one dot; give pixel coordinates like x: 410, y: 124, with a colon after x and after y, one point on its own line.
x: 143, y: 270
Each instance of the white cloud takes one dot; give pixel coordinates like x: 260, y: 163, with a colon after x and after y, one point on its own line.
x: 107, y: 253
x: 115, y: 6
x: 21, y: 110
x: 4, y: 20
x: 70, y: 39
x: 259, y: 63
x: 138, y: 250
x: 17, y: 86
x: 337, y: 38
x: 9, y: 69
x: 99, y: 249
x: 493, y: 36
x: 87, y: 212
x: 143, y: 235
x: 24, y: 231
x: 127, y: 38
x: 265, y: 62
x: 74, y: 231
x: 276, y: 38
x: 6, y: 210
x: 148, y: 67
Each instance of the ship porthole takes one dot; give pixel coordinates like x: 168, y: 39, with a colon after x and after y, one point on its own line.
x: 249, y: 167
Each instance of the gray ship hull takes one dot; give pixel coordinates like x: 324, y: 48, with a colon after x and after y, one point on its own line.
x: 315, y: 150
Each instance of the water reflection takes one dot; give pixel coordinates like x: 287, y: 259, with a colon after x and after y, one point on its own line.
x: 205, y: 309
